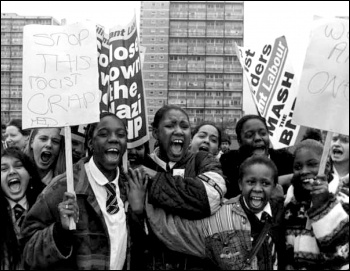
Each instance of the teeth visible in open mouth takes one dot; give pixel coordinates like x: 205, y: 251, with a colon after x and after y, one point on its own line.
x: 113, y: 154
x: 337, y: 152
x: 203, y: 148
x: 45, y: 156
x: 256, y: 201
x: 14, y: 185
x: 176, y: 146
x: 113, y: 150
x: 306, y: 181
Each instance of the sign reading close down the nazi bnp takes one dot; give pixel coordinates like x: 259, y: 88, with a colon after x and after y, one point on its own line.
x: 273, y: 86
x: 60, y: 75
x: 323, y: 98
x: 125, y: 96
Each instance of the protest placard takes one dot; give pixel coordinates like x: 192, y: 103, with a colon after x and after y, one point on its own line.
x: 323, y: 98
x: 273, y: 85
x: 60, y: 81
x: 60, y: 84
x: 126, y: 96
x: 103, y: 69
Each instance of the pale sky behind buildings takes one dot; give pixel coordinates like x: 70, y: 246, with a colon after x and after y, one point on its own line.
x: 264, y: 21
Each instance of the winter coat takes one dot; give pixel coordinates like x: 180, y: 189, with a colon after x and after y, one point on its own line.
x: 194, y: 188
x: 317, y: 238
x: 225, y: 237
x: 49, y: 246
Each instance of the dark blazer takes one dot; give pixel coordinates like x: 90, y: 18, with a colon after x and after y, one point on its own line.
x: 48, y: 246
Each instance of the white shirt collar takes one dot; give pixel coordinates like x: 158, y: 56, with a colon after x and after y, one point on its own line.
x: 155, y: 157
x: 23, y: 202
x: 98, y: 175
x: 266, y: 209
x: 48, y: 177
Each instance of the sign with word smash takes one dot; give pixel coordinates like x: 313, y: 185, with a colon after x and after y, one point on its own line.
x: 323, y: 98
x: 60, y: 75
x: 124, y: 96
x: 273, y: 85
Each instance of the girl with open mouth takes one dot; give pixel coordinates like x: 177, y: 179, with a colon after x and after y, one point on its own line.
x: 253, y: 139
x: 206, y: 137
x: 20, y: 186
x: 46, y: 148
x: 317, y: 223
x: 188, y: 184
x: 99, y: 208
x: 340, y: 158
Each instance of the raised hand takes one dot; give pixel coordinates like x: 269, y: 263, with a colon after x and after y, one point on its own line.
x: 137, y: 185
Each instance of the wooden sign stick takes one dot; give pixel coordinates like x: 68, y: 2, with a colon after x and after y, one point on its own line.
x: 326, y: 148
x: 69, y: 167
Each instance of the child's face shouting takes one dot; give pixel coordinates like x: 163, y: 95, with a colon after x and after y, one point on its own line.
x: 256, y: 186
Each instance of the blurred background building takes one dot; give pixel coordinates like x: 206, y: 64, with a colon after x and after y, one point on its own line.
x: 11, y: 61
x: 190, y: 59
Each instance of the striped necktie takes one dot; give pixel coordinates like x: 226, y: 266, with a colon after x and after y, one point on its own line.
x: 18, y: 212
x: 265, y: 217
x: 112, y: 201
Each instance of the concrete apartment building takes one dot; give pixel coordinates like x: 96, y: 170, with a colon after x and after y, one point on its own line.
x: 190, y: 59
x: 11, y: 61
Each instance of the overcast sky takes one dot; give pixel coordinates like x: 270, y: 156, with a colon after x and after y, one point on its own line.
x: 263, y: 20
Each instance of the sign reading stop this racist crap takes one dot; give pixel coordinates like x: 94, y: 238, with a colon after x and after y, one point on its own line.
x: 60, y: 75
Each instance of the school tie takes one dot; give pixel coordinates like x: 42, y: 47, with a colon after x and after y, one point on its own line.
x: 112, y: 201
x: 168, y: 167
x: 18, y: 211
x: 265, y: 217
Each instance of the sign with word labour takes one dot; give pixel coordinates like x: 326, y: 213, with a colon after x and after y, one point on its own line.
x: 273, y: 85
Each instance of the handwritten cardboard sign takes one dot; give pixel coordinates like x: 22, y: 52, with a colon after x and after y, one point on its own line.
x: 273, y: 85
x: 60, y: 75
x: 323, y: 98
